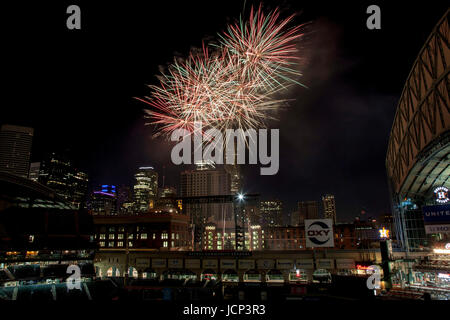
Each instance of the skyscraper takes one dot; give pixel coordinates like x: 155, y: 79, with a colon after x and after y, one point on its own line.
x: 103, y: 201
x: 207, y: 180
x: 329, y: 207
x: 33, y: 174
x: 307, y: 210
x: 145, y: 189
x: 271, y: 213
x: 15, y: 149
x: 58, y: 173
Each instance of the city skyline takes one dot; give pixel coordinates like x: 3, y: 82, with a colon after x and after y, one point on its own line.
x: 337, y: 130
x: 340, y: 193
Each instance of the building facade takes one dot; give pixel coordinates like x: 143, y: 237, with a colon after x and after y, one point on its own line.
x: 15, y: 149
x: 58, y: 173
x: 145, y: 189
x: 271, y: 212
x: 418, y: 154
x: 307, y: 210
x: 329, y: 207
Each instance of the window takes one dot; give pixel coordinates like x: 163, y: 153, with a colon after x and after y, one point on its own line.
x: 120, y: 244
x: 111, y: 237
x: 173, y: 244
x: 102, y: 244
x: 143, y: 236
x: 164, y: 235
x: 102, y: 236
x: 111, y: 244
x: 165, y: 244
x: 130, y: 244
x: 131, y: 236
x: 173, y: 235
x: 112, y: 229
x: 120, y: 236
x: 154, y: 236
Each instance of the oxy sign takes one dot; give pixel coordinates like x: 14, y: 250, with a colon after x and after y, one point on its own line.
x: 319, y: 233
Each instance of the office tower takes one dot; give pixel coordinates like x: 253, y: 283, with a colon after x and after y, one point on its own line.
x: 79, y: 188
x: 206, y: 181
x: 33, y: 174
x: 167, y: 192
x: 15, y: 149
x: 329, y: 207
x: 271, y: 213
x: 145, y: 189
x: 104, y: 201
x: 234, y: 171
x: 307, y: 210
x: 69, y: 183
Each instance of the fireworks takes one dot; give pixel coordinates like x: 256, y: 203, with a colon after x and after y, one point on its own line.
x: 232, y: 84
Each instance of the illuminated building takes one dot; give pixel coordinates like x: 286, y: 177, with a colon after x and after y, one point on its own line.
x: 418, y: 153
x: 271, y: 212
x: 15, y: 149
x: 145, y: 189
x: 33, y: 174
x: 207, y: 181
x: 58, y: 173
x: 307, y: 210
x: 167, y: 192
x: 104, y: 201
x: 157, y: 229
x: 329, y: 207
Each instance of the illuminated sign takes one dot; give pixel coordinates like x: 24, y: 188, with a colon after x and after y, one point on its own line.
x: 441, y: 251
x: 441, y: 195
x: 360, y: 267
x: 384, y: 233
x: 437, y: 218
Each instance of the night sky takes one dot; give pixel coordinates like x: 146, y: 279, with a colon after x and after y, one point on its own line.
x: 76, y: 88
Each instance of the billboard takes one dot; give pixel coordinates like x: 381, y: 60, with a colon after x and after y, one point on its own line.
x: 436, y: 219
x: 319, y: 233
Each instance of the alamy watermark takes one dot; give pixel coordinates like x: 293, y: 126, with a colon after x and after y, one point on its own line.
x: 212, y: 144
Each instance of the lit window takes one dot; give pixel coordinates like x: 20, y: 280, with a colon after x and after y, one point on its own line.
x: 102, y: 236
x: 154, y: 236
x: 143, y: 236
x: 111, y: 244
x: 130, y: 244
x: 165, y: 244
x: 120, y: 236
x: 120, y: 244
x: 111, y: 237
x: 130, y: 236
x: 173, y: 244
x: 102, y: 243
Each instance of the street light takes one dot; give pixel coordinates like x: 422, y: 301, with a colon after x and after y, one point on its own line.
x: 240, y: 196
